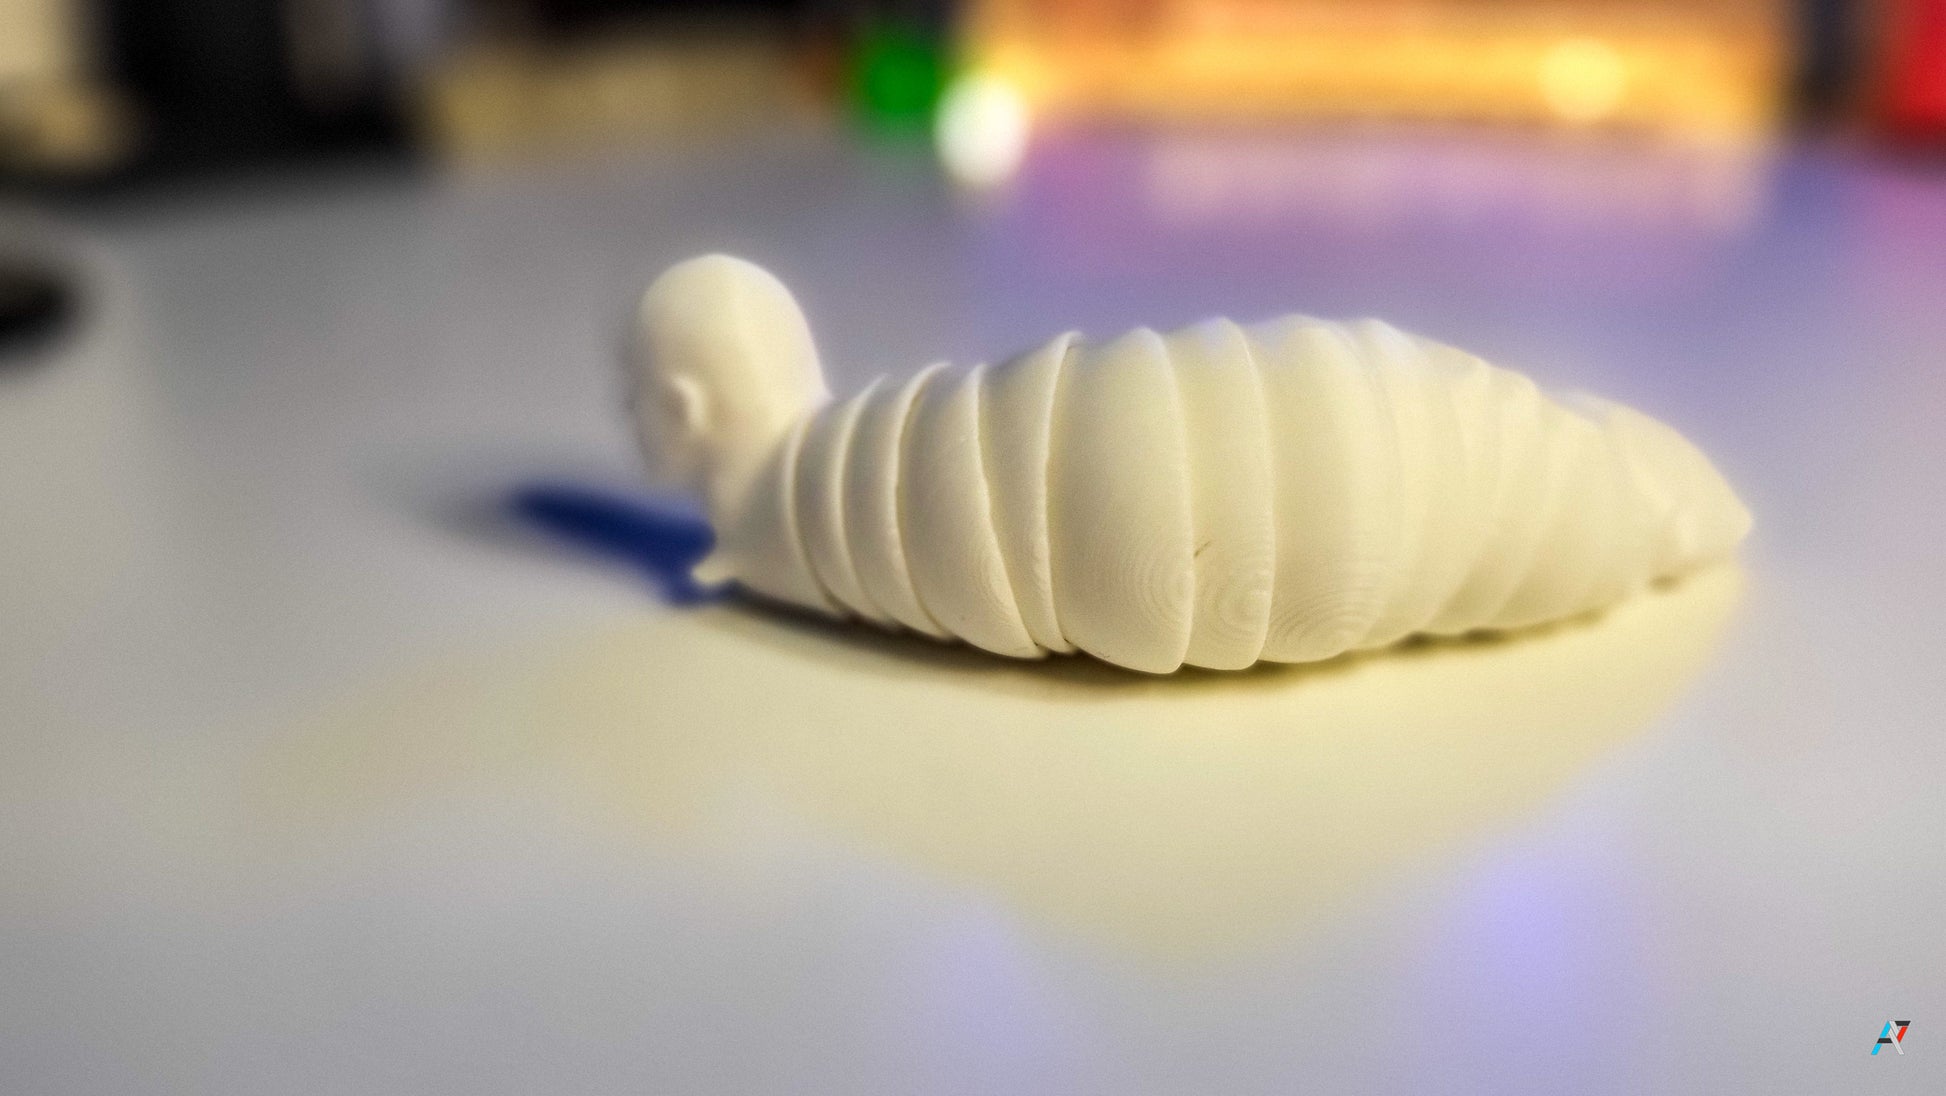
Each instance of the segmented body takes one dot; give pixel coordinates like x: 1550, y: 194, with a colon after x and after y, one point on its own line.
x: 1215, y: 496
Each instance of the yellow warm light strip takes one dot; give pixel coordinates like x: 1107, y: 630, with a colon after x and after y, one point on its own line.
x: 1668, y: 67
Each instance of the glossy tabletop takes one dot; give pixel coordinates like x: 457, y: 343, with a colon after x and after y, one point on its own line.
x: 323, y: 770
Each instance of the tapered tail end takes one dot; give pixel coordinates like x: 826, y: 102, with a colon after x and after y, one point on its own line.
x: 1706, y: 520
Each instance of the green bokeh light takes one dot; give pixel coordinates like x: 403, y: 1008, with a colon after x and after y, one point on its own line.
x: 898, y: 76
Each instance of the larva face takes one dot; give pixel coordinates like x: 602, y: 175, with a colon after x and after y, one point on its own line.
x: 725, y: 365
x: 672, y: 418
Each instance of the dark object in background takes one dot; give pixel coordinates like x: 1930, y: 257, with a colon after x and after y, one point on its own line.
x: 227, y: 83
x: 1828, y: 48
x: 37, y: 303
x: 569, y: 17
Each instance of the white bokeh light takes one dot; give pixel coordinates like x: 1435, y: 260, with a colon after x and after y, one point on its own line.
x: 982, y: 130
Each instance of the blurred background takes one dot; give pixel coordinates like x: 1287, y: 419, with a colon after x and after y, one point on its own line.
x: 309, y: 307
x: 1551, y: 119
x: 120, y: 93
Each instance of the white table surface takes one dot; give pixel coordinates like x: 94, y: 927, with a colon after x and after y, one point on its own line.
x: 318, y: 773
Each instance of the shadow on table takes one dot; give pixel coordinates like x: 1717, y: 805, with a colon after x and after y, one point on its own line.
x: 1184, y: 816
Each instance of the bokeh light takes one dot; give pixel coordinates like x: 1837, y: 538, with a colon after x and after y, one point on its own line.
x: 1583, y: 79
x: 983, y: 130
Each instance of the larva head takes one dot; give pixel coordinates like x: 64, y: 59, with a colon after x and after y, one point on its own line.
x: 724, y: 366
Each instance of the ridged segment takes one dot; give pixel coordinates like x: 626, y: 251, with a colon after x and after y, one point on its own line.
x: 947, y: 520
x: 1235, y: 553
x: 1335, y: 489
x: 872, y: 527
x: 1559, y: 572
x: 819, y: 491
x: 1016, y: 420
x: 1424, y: 433
x: 1455, y: 387
x: 1486, y: 404
x: 1529, y: 483
x: 1120, y: 534
x: 1638, y: 543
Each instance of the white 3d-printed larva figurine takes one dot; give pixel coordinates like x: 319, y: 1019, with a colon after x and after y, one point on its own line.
x: 1213, y: 496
